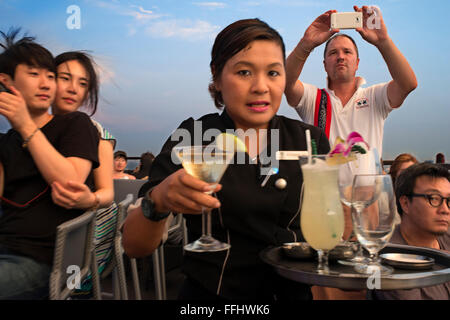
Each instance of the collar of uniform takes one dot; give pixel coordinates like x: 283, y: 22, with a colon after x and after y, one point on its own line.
x: 229, y: 124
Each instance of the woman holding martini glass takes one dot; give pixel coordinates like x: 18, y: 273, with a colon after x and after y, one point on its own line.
x: 250, y: 211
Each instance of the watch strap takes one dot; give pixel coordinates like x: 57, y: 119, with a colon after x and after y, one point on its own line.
x: 148, y: 208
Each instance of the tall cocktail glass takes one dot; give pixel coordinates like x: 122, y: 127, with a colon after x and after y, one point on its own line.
x: 322, y: 218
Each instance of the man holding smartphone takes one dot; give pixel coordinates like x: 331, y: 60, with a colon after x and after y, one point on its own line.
x: 344, y: 106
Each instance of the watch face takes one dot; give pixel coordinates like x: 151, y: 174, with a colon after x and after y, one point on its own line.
x: 148, y: 210
x: 146, y: 207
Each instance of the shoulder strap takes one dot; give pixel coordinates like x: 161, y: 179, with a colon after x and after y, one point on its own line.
x: 322, y: 113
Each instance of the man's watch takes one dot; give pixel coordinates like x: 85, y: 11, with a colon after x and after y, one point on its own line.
x: 148, y: 209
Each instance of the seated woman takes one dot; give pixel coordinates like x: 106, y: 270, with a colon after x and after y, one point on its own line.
x: 401, y: 162
x: 77, y: 87
x: 144, y: 166
x: 248, y: 72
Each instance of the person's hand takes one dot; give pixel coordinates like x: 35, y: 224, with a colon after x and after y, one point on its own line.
x: 374, y: 30
x: 183, y: 193
x: 75, y: 195
x: 14, y: 108
x: 318, y: 32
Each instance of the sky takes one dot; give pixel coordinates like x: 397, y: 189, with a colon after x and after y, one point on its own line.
x: 154, y: 56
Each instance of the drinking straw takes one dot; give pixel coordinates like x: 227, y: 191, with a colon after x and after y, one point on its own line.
x: 308, y: 146
x: 314, y: 146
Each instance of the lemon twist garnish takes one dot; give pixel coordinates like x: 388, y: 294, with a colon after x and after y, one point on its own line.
x: 230, y: 142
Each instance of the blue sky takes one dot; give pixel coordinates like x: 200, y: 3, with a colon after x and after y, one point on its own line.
x: 154, y: 57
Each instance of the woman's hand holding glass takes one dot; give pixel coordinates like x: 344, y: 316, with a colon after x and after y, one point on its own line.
x: 181, y: 192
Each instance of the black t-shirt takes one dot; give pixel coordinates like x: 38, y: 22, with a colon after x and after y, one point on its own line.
x: 253, y: 217
x: 31, y: 231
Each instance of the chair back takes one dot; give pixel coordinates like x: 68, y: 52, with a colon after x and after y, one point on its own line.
x: 74, y: 249
x: 116, y: 264
x: 123, y: 187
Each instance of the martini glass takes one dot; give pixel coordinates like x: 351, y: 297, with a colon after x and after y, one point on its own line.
x: 207, y: 164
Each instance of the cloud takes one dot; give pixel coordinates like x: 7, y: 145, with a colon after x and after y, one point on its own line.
x: 142, y: 14
x: 153, y: 24
x: 183, y: 29
x: 252, y: 3
x: 211, y: 5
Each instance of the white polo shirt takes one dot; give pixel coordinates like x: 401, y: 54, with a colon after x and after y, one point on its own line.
x: 364, y: 113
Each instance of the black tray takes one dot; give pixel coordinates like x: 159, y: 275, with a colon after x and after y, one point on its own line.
x: 345, y: 277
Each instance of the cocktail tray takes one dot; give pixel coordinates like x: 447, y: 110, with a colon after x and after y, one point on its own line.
x: 345, y: 277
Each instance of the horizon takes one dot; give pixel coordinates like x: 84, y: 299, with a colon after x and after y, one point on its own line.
x: 153, y: 58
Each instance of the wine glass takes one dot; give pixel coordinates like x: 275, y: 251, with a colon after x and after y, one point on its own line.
x: 322, y: 219
x: 207, y: 164
x: 368, y: 163
x: 373, y: 212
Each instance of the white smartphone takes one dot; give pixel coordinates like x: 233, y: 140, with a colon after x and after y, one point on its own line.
x: 346, y: 20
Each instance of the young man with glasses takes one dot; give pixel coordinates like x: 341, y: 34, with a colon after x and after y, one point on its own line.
x: 423, y: 202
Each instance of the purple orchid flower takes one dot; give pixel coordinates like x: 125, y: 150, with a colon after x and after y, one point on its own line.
x: 345, y: 148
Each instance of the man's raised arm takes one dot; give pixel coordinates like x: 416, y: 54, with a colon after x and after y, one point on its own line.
x: 374, y: 31
x: 316, y: 34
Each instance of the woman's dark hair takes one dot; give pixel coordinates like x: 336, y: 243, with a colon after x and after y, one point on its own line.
x: 337, y: 35
x: 233, y: 39
x: 144, y: 165
x: 398, y: 161
x: 440, y: 158
x: 406, y: 181
x: 23, y: 51
x: 88, y: 63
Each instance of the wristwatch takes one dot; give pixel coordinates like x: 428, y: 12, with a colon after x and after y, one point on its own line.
x: 148, y: 209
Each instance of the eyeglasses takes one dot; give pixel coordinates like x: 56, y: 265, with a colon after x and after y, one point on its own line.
x: 435, y: 200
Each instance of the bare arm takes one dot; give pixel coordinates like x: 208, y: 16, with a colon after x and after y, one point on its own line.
x: 179, y: 192
x: 78, y: 195
x: 51, y: 164
x: 374, y: 31
x: 140, y: 236
x: 316, y: 34
x: 103, y: 174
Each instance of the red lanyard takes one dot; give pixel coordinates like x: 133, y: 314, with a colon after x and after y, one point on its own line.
x: 18, y: 205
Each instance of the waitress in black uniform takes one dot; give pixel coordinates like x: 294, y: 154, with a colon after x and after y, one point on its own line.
x: 248, y: 81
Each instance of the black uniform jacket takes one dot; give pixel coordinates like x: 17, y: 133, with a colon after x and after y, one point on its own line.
x: 251, y: 217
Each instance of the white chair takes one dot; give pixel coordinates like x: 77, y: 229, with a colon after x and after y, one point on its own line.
x: 74, y: 251
x: 159, y: 270
x: 123, y: 188
x: 116, y: 265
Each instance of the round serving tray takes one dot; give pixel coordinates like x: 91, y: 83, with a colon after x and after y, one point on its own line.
x: 344, y: 277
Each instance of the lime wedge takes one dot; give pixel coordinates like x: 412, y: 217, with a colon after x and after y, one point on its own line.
x: 230, y: 142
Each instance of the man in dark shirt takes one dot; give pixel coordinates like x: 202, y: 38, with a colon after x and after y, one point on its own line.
x: 38, y: 150
x: 423, y: 200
